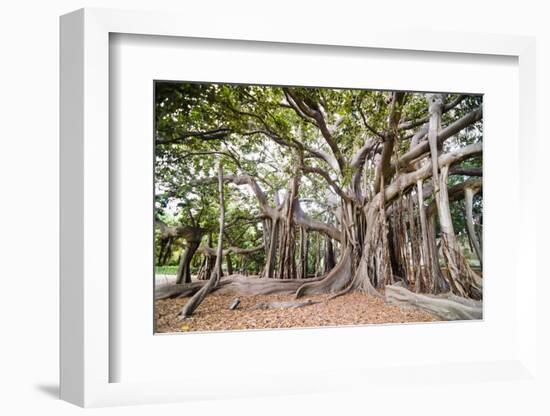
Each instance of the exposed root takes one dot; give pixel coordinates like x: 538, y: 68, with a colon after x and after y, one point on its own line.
x: 343, y: 291
x: 247, y: 286
x: 235, y: 285
x: 336, y: 280
x: 178, y: 290
x: 362, y: 281
x: 448, y: 307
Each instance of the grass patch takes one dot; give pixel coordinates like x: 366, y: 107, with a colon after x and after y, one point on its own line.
x: 166, y: 269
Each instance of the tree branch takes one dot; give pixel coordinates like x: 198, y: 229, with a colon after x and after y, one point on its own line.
x: 302, y: 220
x: 187, y: 232
x: 215, y: 134
x: 410, y: 124
x: 456, y: 192
x: 444, y: 134
x: 318, y: 116
x: 466, y: 171
x: 324, y: 174
x: 383, y: 168
x: 406, y: 180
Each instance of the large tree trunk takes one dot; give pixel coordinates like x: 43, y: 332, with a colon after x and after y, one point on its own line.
x: 336, y: 280
x: 428, y: 266
x: 184, y: 267
x: 416, y: 255
x: 462, y: 279
x: 371, y: 271
x: 269, y: 271
x: 209, y: 261
x: 385, y: 273
x: 229, y: 263
x: 329, y: 261
x: 287, y: 238
x: 191, y: 234
x: 441, y: 285
x: 468, y: 200
x: 303, y: 255
x: 464, y: 282
x: 434, y: 282
x: 198, y: 297
x: 435, y: 107
x: 168, y: 251
x: 165, y: 250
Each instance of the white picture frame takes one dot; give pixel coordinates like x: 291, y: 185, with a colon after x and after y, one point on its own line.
x: 85, y: 220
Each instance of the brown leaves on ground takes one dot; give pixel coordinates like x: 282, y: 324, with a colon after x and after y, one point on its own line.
x: 214, y: 314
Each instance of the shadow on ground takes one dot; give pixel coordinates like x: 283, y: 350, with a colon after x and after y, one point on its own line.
x: 51, y: 390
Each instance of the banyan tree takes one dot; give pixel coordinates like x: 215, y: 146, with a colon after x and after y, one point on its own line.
x: 324, y: 191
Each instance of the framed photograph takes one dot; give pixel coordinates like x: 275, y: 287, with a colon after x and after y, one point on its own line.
x: 333, y: 204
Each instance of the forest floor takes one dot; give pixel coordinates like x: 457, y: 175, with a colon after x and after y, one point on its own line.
x: 214, y: 313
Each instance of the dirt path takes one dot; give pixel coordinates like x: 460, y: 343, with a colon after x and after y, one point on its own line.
x: 214, y: 314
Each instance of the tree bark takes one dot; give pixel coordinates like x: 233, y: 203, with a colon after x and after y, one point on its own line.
x: 272, y: 251
x: 435, y: 106
x: 462, y: 278
x: 235, y: 285
x: 184, y: 267
x: 468, y: 200
x: 287, y: 243
x: 165, y: 250
x: 303, y: 257
x: 329, y: 261
x: 429, y: 272
x: 229, y: 263
x: 208, y: 261
x: 336, y: 280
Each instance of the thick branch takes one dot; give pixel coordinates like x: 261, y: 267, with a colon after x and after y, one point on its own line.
x: 358, y: 162
x: 411, y: 124
x: 466, y: 171
x: 457, y: 192
x: 443, y: 135
x: 245, y: 179
x: 406, y: 180
x: 301, y: 219
x: 324, y: 174
x: 187, y: 232
x: 314, y: 112
x: 295, y: 144
x: 383, y: 168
